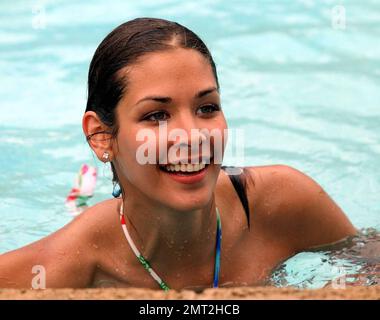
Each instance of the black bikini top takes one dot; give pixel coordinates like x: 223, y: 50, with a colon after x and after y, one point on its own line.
x: 239, y: 183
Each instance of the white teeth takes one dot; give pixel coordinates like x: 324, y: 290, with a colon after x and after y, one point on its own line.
x: 185, y: 167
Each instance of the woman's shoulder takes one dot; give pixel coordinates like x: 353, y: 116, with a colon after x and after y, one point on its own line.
x: 88, y: 236
x: 270, y: 183
x: 275, y: 190
x: 101, y: 210
x: 97, y: 221
x: 270, y: 190
x: 294, y: 208
x: 68, y: 256
x: 262, y: 184
x: 86, y: 233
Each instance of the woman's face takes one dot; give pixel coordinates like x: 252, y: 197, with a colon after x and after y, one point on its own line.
x: 179, y: 75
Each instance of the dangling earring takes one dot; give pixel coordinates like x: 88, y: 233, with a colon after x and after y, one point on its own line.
x: 116, y: 190
x: 105, y: 156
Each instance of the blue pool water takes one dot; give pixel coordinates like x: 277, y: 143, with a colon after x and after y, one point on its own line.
x: 302, y: 82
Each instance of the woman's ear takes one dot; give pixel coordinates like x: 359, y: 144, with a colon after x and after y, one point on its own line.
x: 98, y: 135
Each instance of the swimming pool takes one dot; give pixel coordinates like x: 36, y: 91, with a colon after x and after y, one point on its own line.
x: 298, y: 78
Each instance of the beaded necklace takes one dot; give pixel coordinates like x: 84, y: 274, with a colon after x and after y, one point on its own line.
x: 146, y: 263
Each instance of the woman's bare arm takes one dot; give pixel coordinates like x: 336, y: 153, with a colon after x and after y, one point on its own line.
x: 62, y: 259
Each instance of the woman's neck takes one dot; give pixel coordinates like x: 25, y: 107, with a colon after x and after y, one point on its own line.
x: 169, y: 238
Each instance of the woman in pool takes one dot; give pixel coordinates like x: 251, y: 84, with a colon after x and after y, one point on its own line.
x: 145, y: 71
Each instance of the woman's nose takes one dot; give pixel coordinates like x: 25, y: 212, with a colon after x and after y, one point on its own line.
x: 189, y: 127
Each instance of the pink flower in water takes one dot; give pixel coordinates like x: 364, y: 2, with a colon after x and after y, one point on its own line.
x: 84, y: 168
x: 83, y: 189
x: 87, y: 180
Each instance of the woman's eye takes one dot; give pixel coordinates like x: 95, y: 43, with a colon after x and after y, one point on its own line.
x: 163, y: 115
x: 209, y: 108
x: 156, y: 116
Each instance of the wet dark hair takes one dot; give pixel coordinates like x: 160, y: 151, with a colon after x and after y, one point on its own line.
x: 123, y: 47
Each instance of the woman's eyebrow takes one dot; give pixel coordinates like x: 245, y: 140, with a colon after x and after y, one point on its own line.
x: 161, y: 99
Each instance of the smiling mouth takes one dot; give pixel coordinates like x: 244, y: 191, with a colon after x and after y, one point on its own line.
x: 183, y: 169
